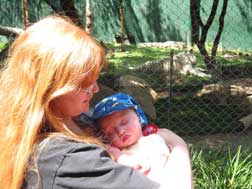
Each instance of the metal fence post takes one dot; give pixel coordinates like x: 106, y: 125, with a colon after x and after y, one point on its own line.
x: 170, y: 86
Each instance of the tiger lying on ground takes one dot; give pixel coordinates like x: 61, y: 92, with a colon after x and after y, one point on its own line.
x: 182, y: 63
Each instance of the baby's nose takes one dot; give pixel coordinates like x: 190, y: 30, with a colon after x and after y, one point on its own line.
x: 120, y: 131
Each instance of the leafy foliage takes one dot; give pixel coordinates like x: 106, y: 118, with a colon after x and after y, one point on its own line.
x: 2, y: 45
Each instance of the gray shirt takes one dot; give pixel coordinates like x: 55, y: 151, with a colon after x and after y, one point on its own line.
x: 64, y: 163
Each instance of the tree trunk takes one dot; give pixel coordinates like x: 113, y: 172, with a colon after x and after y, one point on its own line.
x: 9, y: 31
x: 55, y: 6
x: 25, y: 13
x: 200, y: 32
x: 122, y: 25
x: 88, y: 17
x: 220, y: 29
x: 67, y: 8
x: 70, y: 11
x: 195, y: 20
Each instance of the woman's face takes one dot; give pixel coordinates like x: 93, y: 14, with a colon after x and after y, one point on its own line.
x: 75, y: 102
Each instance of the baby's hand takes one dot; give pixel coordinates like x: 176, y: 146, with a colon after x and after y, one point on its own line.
x: 143, y: 169
x: 131, y: 161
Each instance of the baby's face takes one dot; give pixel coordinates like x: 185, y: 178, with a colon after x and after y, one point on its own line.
x: 122, y: 128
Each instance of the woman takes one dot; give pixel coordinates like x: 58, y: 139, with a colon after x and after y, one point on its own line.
x: 50, y: 77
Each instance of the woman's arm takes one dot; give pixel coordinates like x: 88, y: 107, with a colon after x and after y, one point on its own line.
x: 71, y: 164
x: 178, y: 168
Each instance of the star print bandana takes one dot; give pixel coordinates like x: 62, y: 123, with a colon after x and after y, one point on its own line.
x: 117, y: 102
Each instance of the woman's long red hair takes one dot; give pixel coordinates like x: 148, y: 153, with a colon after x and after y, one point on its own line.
x: 47, y: 60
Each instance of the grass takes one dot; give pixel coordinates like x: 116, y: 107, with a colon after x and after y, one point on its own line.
x: 133, y: 55
x: 222, y: 168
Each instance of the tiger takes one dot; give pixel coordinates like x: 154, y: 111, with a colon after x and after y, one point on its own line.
x: 163, y: 65
x: 183, y: 63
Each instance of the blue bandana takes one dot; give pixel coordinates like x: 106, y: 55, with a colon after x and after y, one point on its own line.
x: 117, y: 102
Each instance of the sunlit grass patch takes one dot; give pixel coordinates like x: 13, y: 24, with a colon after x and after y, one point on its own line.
x: 222, y: 168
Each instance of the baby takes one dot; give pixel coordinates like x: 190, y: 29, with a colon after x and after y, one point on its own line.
x: 132, y: 141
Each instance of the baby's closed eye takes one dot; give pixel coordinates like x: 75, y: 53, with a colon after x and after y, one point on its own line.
x: 124, y: 121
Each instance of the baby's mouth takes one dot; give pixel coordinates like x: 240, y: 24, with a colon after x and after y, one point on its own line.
x: 125, y: 138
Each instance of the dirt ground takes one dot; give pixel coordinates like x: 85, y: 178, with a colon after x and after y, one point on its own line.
x: 243, y: 138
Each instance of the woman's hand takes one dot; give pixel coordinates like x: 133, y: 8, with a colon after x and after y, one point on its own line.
x: 178, y: 172
x: 172, y: 140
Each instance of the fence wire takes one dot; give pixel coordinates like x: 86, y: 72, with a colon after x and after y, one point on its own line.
x: 203, y: 110
x: 195, y: 103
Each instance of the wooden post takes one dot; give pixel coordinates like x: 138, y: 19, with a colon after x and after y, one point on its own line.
x: 122, y: 25
x: 88, y: 17
x: 25, y: 13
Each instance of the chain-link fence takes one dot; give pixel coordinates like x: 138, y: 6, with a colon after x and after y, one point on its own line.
x: 187, y: 99
x: 203, y: 106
